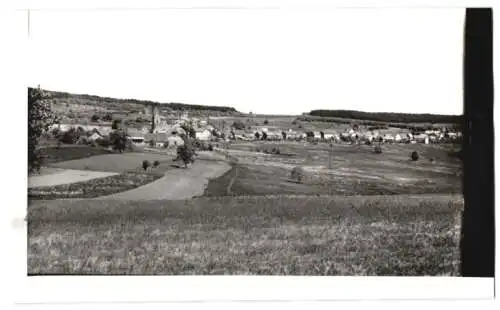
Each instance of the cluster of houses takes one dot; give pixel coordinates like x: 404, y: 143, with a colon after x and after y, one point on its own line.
x: 429, y: 136
x: 168, y: 133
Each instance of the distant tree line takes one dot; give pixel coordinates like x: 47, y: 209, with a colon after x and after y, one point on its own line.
x: 389, y: 117
x: 173, y: 106
x: 378, y: 125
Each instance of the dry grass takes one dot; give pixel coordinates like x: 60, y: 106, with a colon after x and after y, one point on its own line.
x: 356, y: 170
x: 366, y: 235
x: 95, y: 187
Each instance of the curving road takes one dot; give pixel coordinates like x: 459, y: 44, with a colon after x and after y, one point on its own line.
x: 177, y: 184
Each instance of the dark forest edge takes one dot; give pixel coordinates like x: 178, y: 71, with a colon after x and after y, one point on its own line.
x: 387, y: 117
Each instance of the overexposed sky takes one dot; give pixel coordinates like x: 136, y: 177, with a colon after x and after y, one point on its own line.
x: 274, y: 61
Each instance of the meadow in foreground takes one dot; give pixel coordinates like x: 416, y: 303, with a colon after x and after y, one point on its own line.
x: 295, y: 235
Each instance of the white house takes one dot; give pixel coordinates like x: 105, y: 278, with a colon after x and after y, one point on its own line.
x: 388, y: 138
x: 203, y: 135
x: 136, y: 140
x: 422, y: 138
x: 329, y: 136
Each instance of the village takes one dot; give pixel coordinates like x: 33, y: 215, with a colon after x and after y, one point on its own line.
x: 168, y: 132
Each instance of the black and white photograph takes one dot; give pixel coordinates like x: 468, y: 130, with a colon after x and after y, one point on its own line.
x: 264, y: 141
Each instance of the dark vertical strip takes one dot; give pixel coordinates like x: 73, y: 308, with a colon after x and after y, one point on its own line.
x: 478, y: 232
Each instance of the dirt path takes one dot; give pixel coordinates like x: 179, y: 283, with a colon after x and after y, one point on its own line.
x: 177, y: 184
x: 65, y: 176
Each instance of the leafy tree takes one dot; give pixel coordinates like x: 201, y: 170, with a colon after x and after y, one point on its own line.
x: 118, y: 140
x: 264, y: 135
x: 322, y: 135
x: 284, y: 135
x: 266, y: 122
x: 40, y: 118
x: 189, y: 129
x: 95, y: 118
x: 156, y: 163
x: 257, y: 135
x: 186, y: 152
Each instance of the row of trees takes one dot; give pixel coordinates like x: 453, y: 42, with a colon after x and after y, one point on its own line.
x: 173, y: 106
x: 389, y: 117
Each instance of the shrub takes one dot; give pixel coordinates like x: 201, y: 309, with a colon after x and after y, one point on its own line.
x: 378, y: 149
x: 103, y: 142
x: 156, y: 163
x: 210, y: 147
x: 146, y: 164
x: 257, y: 135
x: 95, y: 118
x: 107, y: 117
x: 297, y: 174
x: 83, y: 140
x: 238, y: 125
x: 266, y: 122
x: 69, y: 137
x: 264, y: 136
x: 414, y: 156
x: 115, y: 124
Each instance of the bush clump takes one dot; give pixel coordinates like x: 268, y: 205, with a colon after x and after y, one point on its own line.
x: 146, y: 164
x: 414, y: 156
x: 297, y: 174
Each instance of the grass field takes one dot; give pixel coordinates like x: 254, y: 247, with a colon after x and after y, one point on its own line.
x: 376, y: 235
x: 356, y: 170
x: 64, y: 153
x: 118, y: 162
x: 370, y: 214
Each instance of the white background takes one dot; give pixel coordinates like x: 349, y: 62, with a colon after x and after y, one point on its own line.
x: 15, y: 74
